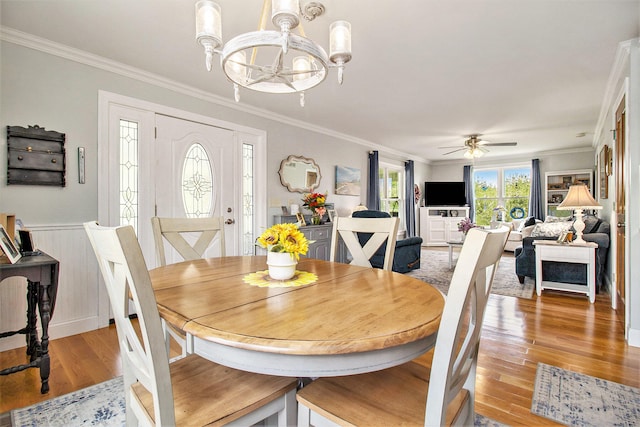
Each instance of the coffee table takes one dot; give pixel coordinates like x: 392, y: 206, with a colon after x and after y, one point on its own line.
x: 451, y: 244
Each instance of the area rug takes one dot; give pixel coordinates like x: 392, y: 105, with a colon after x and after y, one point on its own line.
x: 575, y: 399
x: 103, y: 405
x: 434, y: 269
x: 99, y: 405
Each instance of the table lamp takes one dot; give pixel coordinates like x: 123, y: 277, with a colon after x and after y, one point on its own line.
x: 579, y: 199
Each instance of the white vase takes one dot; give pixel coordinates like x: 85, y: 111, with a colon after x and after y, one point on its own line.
x: 282, y: 265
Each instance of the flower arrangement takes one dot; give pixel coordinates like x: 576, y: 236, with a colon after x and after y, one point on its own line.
x: 284, y: 238
x: 315, y: 203
x: 465, y: 225
x: 312, y: 201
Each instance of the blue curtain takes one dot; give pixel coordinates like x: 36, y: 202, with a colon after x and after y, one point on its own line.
x: 373, y: 190
x: 410, y: 209
x: 536, y: 207
x: 467, y: 176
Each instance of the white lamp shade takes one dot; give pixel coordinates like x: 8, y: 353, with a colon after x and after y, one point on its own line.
x: 340, y: 41
x: 208, y: 21
x: 579, y: 198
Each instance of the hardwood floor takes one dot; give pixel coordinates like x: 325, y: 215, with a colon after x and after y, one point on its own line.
x: 559, y: 329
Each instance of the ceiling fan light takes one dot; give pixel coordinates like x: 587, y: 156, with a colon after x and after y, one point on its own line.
x: 468, y: 154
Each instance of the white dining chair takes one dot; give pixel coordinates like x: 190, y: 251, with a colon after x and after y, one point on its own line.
x: 382, y: 230
x: 191, y: 391
x: 179, y: 233
x: 412, y: 393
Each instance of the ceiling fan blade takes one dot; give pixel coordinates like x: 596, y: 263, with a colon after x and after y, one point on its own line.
x: 449, y: 146
x: 455, y: 151
x: 500, y: 144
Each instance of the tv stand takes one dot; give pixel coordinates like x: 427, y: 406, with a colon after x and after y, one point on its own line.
x: 439, y: 224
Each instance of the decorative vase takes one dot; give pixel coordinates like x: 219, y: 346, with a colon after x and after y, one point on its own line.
x: 315, y: 219
x: 282, y: 265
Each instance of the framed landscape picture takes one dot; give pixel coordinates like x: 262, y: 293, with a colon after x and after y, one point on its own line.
x: 347, y: 181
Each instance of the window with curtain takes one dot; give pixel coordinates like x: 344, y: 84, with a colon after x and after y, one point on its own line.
x: 504, y: 186
x: 391, y: 178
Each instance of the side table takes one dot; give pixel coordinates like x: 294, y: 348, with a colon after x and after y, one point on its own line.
x: 41, y: 272
x: 550, y: 250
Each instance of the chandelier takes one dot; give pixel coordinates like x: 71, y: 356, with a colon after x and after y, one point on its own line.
x: 274, y: 61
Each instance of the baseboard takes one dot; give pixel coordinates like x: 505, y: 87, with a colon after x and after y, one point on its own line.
x: 634, y: 337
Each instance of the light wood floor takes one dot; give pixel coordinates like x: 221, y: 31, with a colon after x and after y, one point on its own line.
x: 558, y: 328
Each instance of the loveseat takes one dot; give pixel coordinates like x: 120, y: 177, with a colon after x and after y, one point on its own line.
x: 407, y: 254
x: 596, y: 230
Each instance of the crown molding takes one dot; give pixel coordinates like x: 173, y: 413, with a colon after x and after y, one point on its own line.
x: 612, y: 90
x: 30, y: 41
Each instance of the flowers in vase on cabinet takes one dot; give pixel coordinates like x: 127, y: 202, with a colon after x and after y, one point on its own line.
x: 314, y: 200
x: 284, y: 238
x: 465, y: 225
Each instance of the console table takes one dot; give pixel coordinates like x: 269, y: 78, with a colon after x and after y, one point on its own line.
x: 41, y: 272
x: 550, y: 250
x: 320, y: 235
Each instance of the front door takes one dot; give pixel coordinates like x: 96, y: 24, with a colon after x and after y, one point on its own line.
x: 195, y: 172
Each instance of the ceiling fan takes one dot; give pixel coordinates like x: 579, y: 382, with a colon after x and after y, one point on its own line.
x: 474, y: 146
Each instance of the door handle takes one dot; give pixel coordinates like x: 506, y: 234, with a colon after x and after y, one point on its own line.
x: 621, y: 225
x: 230, y: 221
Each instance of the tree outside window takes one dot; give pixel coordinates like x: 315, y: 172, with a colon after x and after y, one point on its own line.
x: 508, y: 187
x: 391, y: 191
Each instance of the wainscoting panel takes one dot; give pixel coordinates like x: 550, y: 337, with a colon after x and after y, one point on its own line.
x: 81, y: 305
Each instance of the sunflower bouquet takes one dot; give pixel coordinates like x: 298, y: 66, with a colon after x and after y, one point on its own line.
x: 284, y: 238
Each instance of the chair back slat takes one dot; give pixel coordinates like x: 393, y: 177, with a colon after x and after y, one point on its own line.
x: 181, y: 232
x: 382, y: 230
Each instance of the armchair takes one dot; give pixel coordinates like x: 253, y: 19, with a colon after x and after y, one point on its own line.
x: 407, y: 254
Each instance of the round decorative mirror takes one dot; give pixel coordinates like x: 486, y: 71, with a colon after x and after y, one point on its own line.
x: 299, y: 174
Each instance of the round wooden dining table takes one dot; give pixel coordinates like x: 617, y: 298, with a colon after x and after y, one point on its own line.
x: 349, y: 320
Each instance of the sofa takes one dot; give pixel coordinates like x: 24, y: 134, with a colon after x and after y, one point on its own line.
x: 596, y: 230
x: 407, y: 254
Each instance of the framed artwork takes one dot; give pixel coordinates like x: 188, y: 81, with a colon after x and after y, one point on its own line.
x: 347, y: 181
x: 8, y: 247
x: 300, y: 218
x: 603, y: 177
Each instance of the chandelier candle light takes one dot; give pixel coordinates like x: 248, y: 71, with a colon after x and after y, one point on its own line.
x: 274, y: 61
x: 579, y: 199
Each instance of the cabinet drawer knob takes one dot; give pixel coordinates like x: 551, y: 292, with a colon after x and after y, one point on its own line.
x: 54, y: 161
x: 20, y: 157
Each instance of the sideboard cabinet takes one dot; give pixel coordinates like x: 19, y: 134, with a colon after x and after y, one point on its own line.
x: 319, y: 234
x: 439, y: 224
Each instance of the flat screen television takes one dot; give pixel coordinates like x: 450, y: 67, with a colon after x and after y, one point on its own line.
x: 442, y: 193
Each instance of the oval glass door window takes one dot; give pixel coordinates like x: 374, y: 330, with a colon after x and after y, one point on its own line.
x: 197, y: 183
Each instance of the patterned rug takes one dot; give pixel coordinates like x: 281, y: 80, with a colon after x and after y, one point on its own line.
x: 102, y: 405
x: 575, y: 399
x: 434, y: 269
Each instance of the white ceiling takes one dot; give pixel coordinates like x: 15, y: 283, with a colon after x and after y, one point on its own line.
x: 424, y: 73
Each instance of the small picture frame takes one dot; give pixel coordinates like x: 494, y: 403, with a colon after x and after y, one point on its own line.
x: 565, y: 237
x: 332, y: 214
x: 8, y: 246
x: 300, y: 218
x: 284, y: 209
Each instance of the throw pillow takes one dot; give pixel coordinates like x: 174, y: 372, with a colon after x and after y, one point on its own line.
x: 591, y: 223
x: 526, y: 222
x: 550, y: 229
